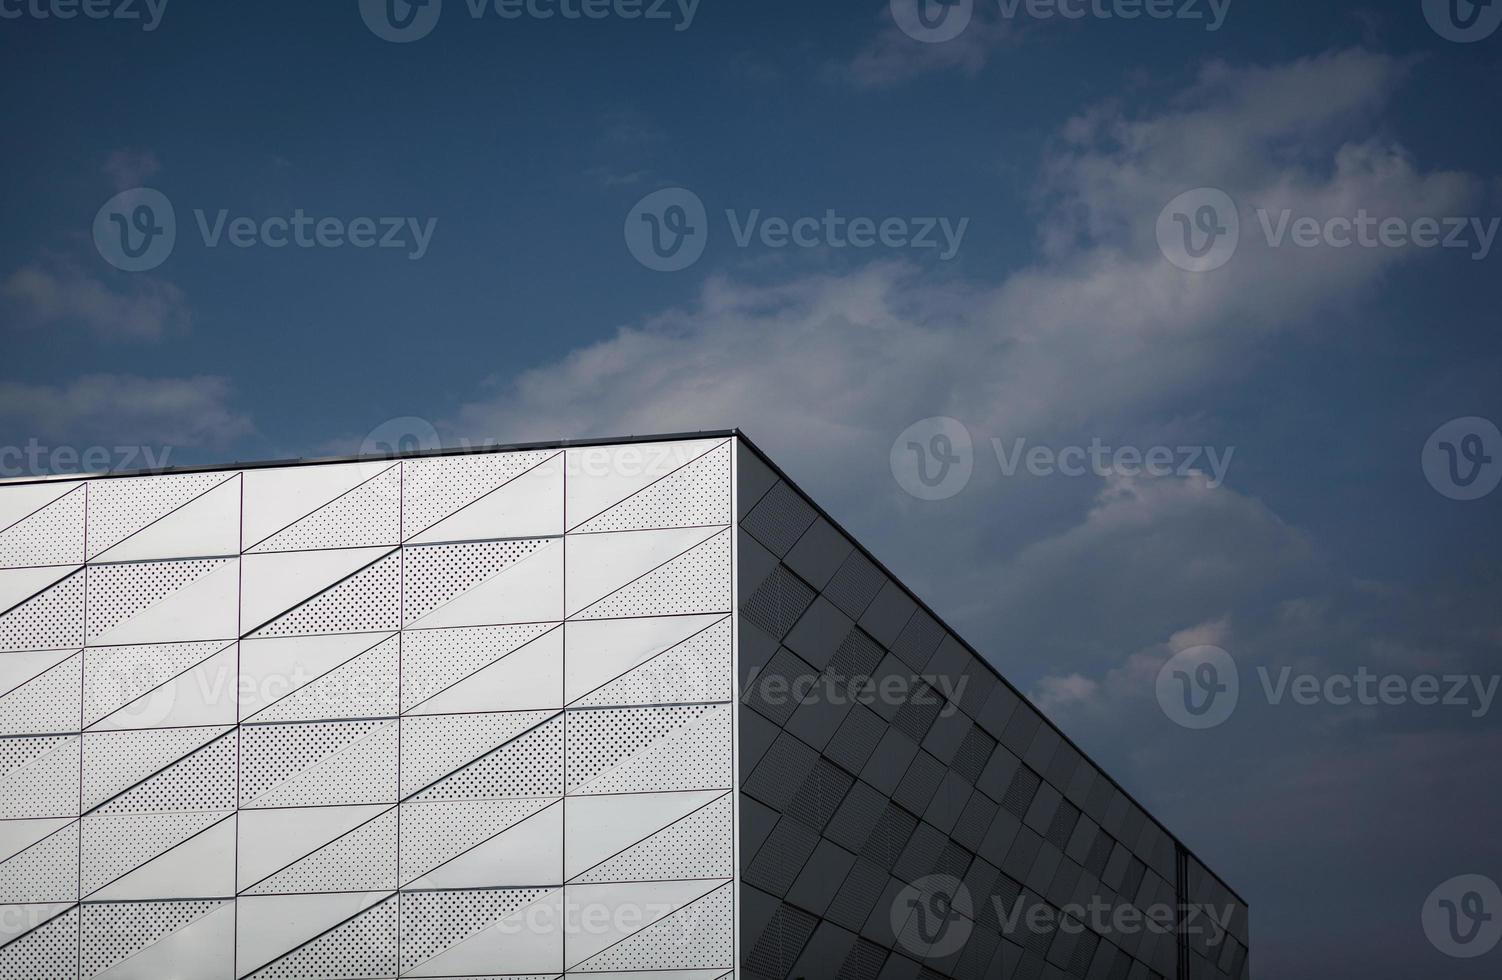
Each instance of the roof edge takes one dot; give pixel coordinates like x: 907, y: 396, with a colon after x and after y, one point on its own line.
x: 782, y: 475
x: 492, y: 447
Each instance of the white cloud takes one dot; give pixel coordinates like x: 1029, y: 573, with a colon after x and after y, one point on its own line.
x: 111, y: 409
x: 828, y: 367
x: 59, y: 293
x: 1058, y: 692
x: 892, y: 57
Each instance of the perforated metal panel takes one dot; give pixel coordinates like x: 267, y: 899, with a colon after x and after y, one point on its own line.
x: 322, y: 721
x: 938, y: 782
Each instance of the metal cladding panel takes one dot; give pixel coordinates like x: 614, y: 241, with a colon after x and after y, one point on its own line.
x: 465, y: 715
x: 906, y: 814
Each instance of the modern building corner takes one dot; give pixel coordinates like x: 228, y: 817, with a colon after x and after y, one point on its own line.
x: 632, y: 709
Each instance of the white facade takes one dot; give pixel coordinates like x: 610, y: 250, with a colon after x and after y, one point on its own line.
x: 458, y: 716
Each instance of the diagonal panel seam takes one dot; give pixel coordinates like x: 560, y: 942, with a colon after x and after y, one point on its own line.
x: 408, y: 537
x: 323, y: 591
x: 248, y: 549
x: 626, y: 585
x: 654, y: 483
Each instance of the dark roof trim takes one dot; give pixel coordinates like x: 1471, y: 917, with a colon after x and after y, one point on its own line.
x: 356, y: 458
x: 781, y: 474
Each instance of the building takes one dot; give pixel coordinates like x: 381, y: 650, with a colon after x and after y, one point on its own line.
x: 586, y: 708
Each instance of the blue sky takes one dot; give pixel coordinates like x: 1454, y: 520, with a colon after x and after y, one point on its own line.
x: 524, y: 144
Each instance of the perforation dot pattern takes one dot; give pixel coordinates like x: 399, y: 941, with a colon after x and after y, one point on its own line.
x: 48, y: 952
x: 435, y: 574
x: 697, y: 936
x: 363, y: 687
x: 436, y: 488
x: 120, y: 508
x: 434, y: 659
x: 203, y: 780
x: 696, y: 494
x: 274, y: 753
x: 598, y: 740
x: 116, y: 676
x: 45, y: 704
x: 530, y: 766
x: 365, y: 516
x: 467, y: 778
x: 51, y: 536
x: 698, y: 669
x: 114, y: 761
x: 696, y: 581
x: 115, y: 843
x: 50, y: 620
x: 118, y: 592
x: 434, y: 832
x: 365, y: 946
x: 435, y: 745
x: 47, y: 871
x: 364, y: 859
x: 701, y: 845
x: 115, y: 930
x: 366, y: 602
x: 435, y: 921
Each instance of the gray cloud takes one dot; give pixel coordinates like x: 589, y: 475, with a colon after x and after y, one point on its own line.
x: 1080, y: 591
x: 58, y: 293
x: 112, y: 409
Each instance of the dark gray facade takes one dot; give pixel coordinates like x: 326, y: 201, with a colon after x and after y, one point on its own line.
x: 930, y: 822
